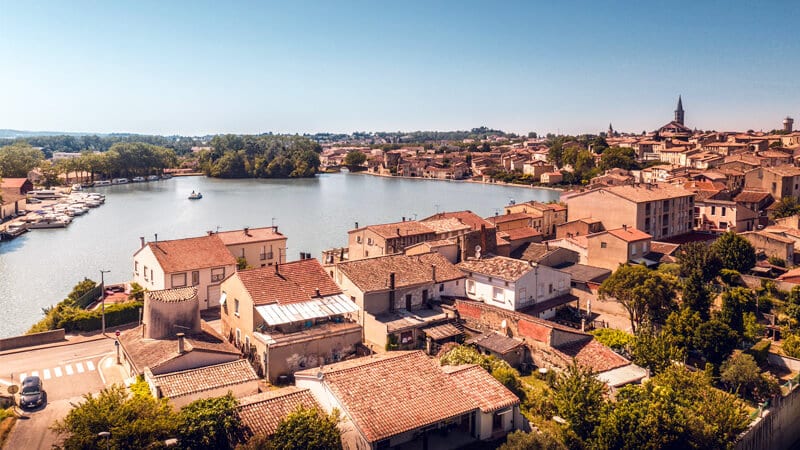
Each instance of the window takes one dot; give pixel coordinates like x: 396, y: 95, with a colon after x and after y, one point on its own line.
x: 550, y: 288
x: 152, y: 278
x: 178, y: 280
x: 497, y: 294
x: 408, y: 302
x: 217, y: 274
x: 195, y: 277
x: 713, y: 210
x: 145, y: 273
x: 238, y: 336
x: 441, y: 287
x: 603, y: 245
x: 723, y: 211
x: 369, y: 241
x: 358, y: 239
x: 406, y: 337
x: 136, y: 267
x: 470, y: 286
x: 236, y: 306
x: 247, y: 344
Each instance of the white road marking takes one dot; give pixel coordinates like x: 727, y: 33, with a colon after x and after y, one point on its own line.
x: 22, y: 376
x: 35, y: 373
x: 89, y: 365
x: 79, y: 367
x: 7, y: 383
x: 108, y: 363
x: 57, y: 372
x: 46, y: 374
x: 68, y: 368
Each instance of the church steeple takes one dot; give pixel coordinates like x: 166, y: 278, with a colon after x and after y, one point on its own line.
x: 679, y: 112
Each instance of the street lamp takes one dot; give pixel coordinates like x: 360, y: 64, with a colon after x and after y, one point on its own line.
x: 107, y: 435
x: 103, y: 304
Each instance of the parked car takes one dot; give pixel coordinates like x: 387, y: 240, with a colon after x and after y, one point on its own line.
x: 32, y: 394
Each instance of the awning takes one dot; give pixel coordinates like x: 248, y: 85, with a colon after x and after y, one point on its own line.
x: 443, y: 331
x: 334, y: 305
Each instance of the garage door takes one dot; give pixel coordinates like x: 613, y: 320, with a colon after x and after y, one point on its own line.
x: 213, y: 297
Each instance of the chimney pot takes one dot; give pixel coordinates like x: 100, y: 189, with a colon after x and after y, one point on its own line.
x: 356, y: 225
x: 433, y: 272
x: 156, y: 237
x: 141, y: 240
x: 317, y: 293
x: 247, y: 231
x: 181, y: 346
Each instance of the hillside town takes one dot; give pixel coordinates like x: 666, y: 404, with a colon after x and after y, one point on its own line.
x: 662, y: 282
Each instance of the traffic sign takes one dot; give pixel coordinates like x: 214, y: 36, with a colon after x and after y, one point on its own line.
x: 117, y: 333
x: 13, y: 389
x: 116, y: 343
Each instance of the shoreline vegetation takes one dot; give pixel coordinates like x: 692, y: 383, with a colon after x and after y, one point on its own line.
x: 494, y: 183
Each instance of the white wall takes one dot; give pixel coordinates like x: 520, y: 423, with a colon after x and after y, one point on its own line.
x: 537, y: 285
x: 154, y: 282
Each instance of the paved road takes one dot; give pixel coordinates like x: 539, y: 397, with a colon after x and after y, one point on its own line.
x: 67, y: 372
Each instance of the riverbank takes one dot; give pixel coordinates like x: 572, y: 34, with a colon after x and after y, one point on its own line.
x: 492, y: 183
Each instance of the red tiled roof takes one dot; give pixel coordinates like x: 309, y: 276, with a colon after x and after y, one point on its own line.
x: 10, y: 183
x: 251, y: 235
x: 372, y: 274
x: 497, y: 266
x: 181, y: 255
x: 392, y: 393
x: 186, y: 382
x: 591, y: 353
x: 292, y: 282
x: 392, y: 230
x: 751, y: 197
x: 521, y: 233
x: 508, y: 217
x: 484, y: 389
x: 262, y: 413
x: 467, y: 217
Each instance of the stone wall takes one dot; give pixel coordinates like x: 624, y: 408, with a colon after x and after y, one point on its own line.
x: 29, y: 340
x: 776, y: 428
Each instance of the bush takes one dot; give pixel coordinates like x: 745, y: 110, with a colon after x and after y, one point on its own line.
x: 760, y: 351
x: 731, y: 277
x: 618, y: 340
x: 791, y: 345
x: 71, y: 318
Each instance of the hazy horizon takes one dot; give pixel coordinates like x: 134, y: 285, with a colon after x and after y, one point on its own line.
x: 194, y: 69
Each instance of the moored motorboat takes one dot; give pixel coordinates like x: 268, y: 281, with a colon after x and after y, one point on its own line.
x: 49, y: 222
x: 195, y: 196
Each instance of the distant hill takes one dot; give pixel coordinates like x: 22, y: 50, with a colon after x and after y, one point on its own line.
x: 14, y: 134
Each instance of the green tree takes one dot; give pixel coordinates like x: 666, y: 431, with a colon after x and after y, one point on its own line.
x: 617, y: 340
x: 17, y: 159
x: 787, y: 206
x: 618, y: 158
x: 715, y: 340
x: 355, y: 158
x: 734, y: 304
x: 135, y: 422
x: 740, y: 373
x: 646, y: 295
x: 578, y: 397
x: 791, y: 345
x: 210, y: 423
x: 696, y: 295
x: 535, y: 440
x: 735, y: 252
x: 697, y: 257
x: 308, y: 429
x: 679, y: 328
x: 655, y: 351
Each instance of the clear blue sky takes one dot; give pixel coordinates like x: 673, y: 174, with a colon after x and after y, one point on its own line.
x: 198, y: 67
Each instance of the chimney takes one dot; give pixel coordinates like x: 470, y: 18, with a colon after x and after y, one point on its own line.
x: 209, y: 232
x: 246, y: 231
x: 404, y: 218
x: 484, y: 247
x: 276, y: 228
x: 316, y: 293
x: 625, y: 227
x: 356, y: 225
x: 302, y: 256
x: 433, y: 272
x: 277, y: 269
x: 181, y: 349
x: 398, y: 231
x: 156, y: 238
x: 141, y: 239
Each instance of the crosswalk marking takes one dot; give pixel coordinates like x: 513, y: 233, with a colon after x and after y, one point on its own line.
x: 46, y: 374
x: 22, y: 376
x: 68, y: 368
x: 79, y: 367
x: 35, y: 373
x: 57, y: 372
x: 89, y: 365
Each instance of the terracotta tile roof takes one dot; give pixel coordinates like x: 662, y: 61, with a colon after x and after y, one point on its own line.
x: 629, y: 234
x: 593, y: 354
x: 291, y: 282
x: 250, y: 235
x: 467, y: 217
x: 497, y: 266
x: 496, y: 342
x: 153, y: 353
x: 785, y: 171
x: 181, y: 255
x: 751, y: 197
x: 394, y: 392
x: 393, y: 230
x: 372, y: 274
x: 263, y: 412
x: 642, y: 193
x: 9, y: 183
x: 503, y: 218
x: 192, y: 381
x: 172, y: 295
x: 484, y: 389
x: 520, y: 233
x: 447, y: 225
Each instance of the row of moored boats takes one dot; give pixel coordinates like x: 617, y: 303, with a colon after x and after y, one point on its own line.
x: 58, y: 214
x: 123, y: 181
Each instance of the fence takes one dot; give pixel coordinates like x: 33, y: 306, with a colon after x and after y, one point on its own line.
x: 90, y: 297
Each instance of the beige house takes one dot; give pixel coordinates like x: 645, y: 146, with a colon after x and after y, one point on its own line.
x: 609, y: 249
x: 259, y: 247
x: 663, y: 211
x: 406, y: 399
x: 398, y: 296
x: 511, y: 221
x: 386, y: 239
x: 781, y: 181
x: 772, y: 245
x: 719, y: 216
x: 202, y: 262
x: 553, y: 214
x: 288, y: 317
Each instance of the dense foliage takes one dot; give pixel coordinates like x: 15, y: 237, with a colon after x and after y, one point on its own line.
x: 646, y: 295
x: 210, y: 423
x: 265, y: 156
x: 735, y: 252
x: 308, y: 429
x: 17, y: 159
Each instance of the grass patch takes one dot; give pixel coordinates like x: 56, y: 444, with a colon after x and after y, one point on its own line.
x: 6, y: 425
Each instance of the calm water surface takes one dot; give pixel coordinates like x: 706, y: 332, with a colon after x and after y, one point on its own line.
x: 39, y: 268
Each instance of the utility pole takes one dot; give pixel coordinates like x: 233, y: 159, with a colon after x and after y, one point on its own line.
x: 103, y: 301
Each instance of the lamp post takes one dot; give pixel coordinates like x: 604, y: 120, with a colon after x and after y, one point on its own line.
x: 107, y: 435
x: 103, y: 301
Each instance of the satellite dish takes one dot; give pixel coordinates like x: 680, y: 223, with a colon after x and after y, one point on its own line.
x: 320, y: 375
x: 477, y: 248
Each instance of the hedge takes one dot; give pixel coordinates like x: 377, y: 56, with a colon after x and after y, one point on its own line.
x: 72, y: 318
x: 760, y: 351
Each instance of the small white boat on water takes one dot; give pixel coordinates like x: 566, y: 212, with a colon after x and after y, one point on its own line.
x: 137, y: 179
x: 195, y: 196
x: 102, y: 183
x: 77, y: 187
x: 120, y: 181
x: 49, y: 222
x: 152, y: 178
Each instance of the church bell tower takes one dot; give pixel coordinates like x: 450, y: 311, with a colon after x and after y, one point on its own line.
x: 679, y: 112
